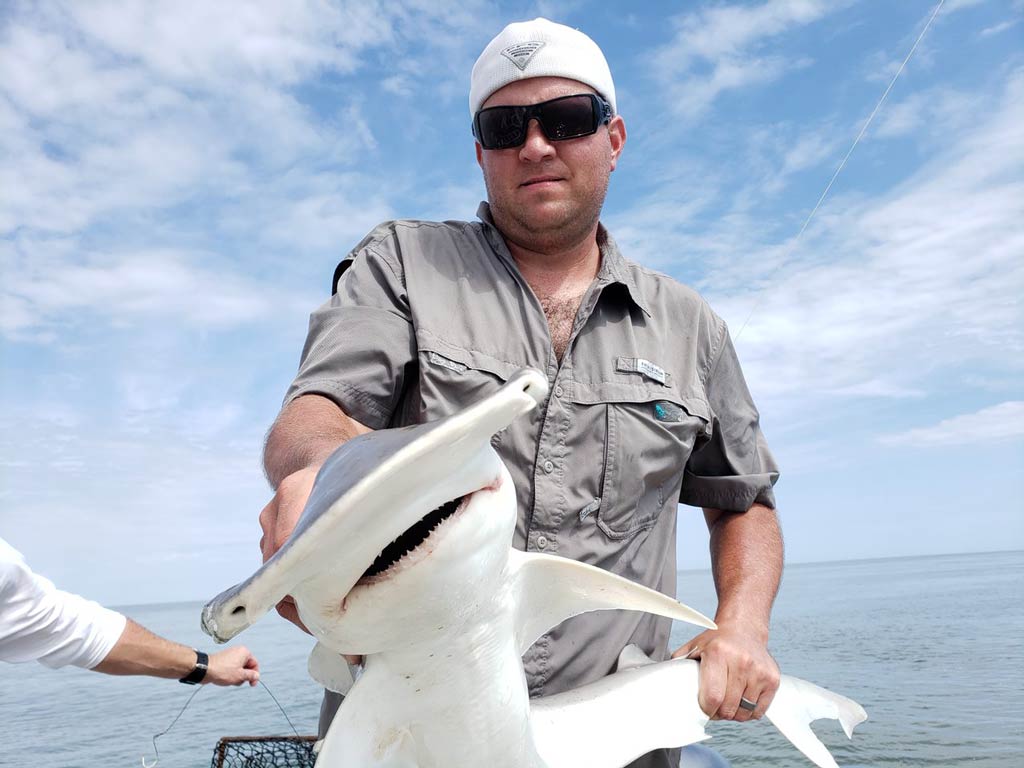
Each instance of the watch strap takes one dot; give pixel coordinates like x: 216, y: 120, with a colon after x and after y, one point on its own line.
x: 198, y: 671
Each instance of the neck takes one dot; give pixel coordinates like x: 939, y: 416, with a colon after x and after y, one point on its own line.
x: 565, y: 271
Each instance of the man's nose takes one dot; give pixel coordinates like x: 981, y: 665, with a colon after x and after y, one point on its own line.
x: 537, y: 146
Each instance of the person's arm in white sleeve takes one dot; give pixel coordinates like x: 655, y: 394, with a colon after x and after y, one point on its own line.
x: 39, y: 622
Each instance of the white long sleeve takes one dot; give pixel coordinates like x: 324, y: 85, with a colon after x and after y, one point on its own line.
x: 39, y: 622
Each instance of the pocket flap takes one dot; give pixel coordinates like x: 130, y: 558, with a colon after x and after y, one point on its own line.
x: 640, y: 392
x: 458, y: 359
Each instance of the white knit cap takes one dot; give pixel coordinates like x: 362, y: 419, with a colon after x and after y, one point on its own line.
x: 539, y: 48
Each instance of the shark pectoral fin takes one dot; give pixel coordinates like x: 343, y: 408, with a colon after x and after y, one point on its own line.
x: 331, y: 670
x: 798, y: 703
x: 609, y: 723
x: 551, y: 589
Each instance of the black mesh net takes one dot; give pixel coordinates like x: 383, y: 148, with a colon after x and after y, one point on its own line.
x: 264, y: 752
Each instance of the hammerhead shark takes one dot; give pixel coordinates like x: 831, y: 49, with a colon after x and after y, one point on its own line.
x: 403, y: 555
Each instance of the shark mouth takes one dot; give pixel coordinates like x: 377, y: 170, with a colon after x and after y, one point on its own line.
x: 411, y: 540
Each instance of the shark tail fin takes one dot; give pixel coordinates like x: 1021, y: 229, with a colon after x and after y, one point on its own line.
x: 551, y: 589
x: 609, y: 723
x: 798, y: 703
x: 646, y: 705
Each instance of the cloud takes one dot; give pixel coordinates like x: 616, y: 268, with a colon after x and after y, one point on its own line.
x: 156, y: 156
x: 893, y: 288
x: 44, y: 290
x: 931, y: 113
x: 718, y: 49
x: 1004, y: 421
x: 996, y: 29
x: 885, y: 292
x: 952, y: 6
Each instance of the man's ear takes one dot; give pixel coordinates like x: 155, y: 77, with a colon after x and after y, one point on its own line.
x: 479, y: 154
x: 617, y: 138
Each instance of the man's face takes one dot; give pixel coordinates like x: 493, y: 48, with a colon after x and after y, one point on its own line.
x: 547, y: 195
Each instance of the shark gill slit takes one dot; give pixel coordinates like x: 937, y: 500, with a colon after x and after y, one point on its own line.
x: 412, y: 538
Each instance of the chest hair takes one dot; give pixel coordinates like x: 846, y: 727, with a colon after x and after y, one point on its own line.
x: 561, y: 314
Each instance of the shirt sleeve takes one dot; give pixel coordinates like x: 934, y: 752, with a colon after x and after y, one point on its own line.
x: 733, y: 468
x: 361, y: 341
x: 39, y: 622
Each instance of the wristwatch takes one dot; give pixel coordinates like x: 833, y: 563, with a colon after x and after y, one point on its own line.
x: 198, y: 671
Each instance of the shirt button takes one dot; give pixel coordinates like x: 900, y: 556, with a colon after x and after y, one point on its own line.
x: 559, y: 391
x: 542, y: 542
x: 549, y: 466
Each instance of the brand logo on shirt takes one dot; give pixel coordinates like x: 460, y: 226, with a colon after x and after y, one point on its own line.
x: 444, y: 362
x: 645, y: 368
x: 666, y: 411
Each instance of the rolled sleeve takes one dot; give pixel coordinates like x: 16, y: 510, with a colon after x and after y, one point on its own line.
x: 42, y: 623
x: 360, y: 342
x: 733, y: 468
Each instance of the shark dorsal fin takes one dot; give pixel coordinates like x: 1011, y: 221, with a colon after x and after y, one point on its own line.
x: 551, y: 589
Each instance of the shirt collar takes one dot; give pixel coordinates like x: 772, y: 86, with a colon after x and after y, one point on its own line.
x: 613, y: 264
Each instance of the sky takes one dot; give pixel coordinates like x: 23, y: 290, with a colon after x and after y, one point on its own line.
x: 178, y: 181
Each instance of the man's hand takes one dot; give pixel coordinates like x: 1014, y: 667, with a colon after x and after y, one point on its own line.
x: 733, y: 664
x: 233, y: 666
x: 278, y: 520
x: 746, y: 560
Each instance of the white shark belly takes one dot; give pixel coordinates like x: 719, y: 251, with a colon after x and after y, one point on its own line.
x: 460, y: 704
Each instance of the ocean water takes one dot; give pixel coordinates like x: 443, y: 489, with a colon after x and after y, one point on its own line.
x: 932, y: 647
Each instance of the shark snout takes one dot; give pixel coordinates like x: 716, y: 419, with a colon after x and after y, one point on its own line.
x: 531, y: 382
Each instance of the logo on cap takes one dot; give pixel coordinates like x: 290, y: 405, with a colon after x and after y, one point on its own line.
x: 521, y: 53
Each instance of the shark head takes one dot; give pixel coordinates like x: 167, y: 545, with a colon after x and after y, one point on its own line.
x: 383, y: 506
x: 427, y: 583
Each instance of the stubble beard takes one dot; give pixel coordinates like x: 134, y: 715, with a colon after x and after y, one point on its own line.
x: 555, y: 234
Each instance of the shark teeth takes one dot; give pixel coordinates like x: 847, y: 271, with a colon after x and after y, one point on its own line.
x: 405, y: 544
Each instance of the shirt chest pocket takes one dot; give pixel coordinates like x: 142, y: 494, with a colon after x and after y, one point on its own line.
x: 649, y: 433
x: 452, y: 378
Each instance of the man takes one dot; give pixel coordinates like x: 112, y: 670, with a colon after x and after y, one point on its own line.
x: 648, y: 406
x: 39, y: 622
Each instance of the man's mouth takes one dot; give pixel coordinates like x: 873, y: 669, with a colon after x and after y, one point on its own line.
x: 540, y: 180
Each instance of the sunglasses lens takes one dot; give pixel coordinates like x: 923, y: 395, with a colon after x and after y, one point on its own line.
x: 568, y: 118
x: 564, y: 118
x: 502, y: 127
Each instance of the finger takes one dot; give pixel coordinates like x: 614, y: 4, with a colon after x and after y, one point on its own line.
x: 268, y: 522
x: 749, y: 705
x: 735, y: 687
x: 687, y: 652
x: 286, y: 608
x: 712, y: 686
x: 769, y: 685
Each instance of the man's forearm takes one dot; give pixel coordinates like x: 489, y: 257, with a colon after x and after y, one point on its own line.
x: 305, y: 433
x: 746, y: 560
x: 139, y: 652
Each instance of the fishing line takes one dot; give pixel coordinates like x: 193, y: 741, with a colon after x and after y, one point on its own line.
x: 176, y: 718
x: 168, y: 728
x: 842, y: 165
x: 281, y: 708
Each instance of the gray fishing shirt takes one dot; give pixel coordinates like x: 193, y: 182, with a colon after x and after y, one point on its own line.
x: 648, y: 407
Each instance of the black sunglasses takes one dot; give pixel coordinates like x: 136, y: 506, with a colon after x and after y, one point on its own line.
x: 567, y: 117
